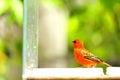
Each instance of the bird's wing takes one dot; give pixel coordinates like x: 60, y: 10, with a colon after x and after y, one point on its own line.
x: 90, y: 56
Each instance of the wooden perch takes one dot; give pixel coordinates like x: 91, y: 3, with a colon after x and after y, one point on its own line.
x: 72, y: 74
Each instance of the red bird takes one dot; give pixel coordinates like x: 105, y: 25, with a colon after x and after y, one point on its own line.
x: 84, y: 57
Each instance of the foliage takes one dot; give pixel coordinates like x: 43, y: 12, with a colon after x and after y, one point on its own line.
x: 12, y: 12
x: 14, y: 8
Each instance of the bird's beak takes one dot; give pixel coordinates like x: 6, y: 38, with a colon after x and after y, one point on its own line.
x: 74, y: 41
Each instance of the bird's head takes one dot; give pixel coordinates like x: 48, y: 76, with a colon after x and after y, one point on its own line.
x: 78, y: 43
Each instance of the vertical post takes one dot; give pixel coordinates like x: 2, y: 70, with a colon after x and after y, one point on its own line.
x: 30, y: 35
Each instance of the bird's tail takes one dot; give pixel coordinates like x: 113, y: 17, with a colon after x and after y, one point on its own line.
x: 106, y: 64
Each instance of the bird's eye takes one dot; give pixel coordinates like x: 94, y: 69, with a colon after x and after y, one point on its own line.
x: 74, y: 41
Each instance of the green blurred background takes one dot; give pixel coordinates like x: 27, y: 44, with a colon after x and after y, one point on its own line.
x: 11, y: 25
x: 96, y: 22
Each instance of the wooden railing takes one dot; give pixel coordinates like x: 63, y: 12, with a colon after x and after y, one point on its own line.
x: 112, y: 73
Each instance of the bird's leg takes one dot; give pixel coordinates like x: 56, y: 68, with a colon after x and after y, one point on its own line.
x: 85, y: 66
x: 82, y: 67
x: 92, y: 65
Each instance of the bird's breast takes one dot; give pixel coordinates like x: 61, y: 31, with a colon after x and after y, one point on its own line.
x: 78, y: 56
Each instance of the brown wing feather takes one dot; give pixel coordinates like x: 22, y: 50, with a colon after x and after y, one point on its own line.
x: 90, y: 56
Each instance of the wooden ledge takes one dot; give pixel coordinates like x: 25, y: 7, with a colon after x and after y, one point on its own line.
x: 72, y: 74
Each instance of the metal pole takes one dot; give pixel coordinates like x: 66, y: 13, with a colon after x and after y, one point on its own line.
x: 30, y: 35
